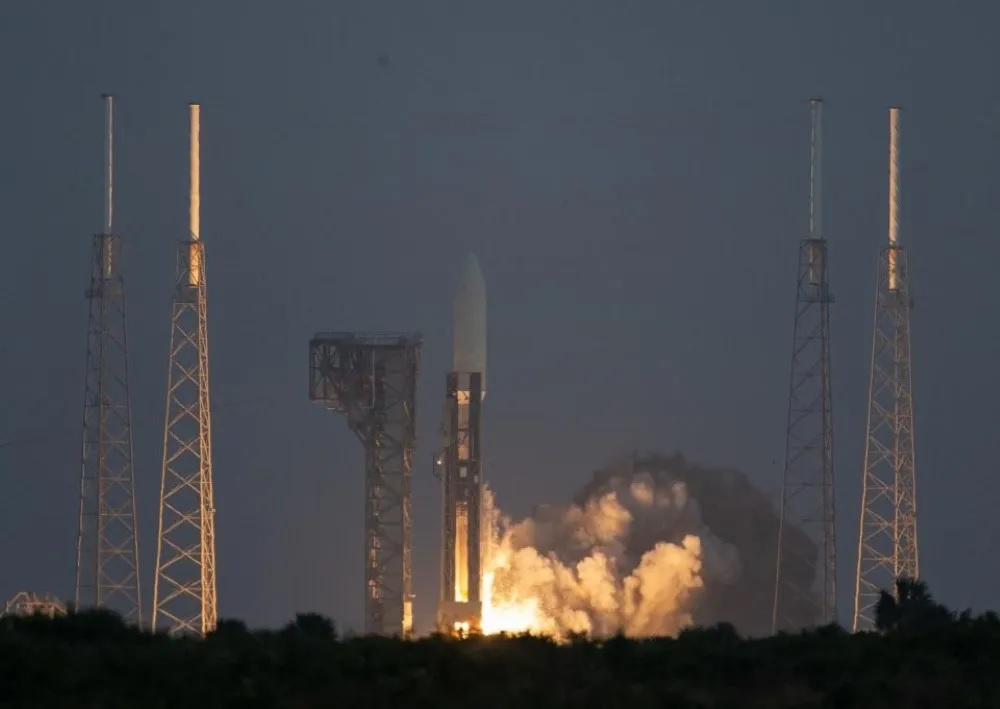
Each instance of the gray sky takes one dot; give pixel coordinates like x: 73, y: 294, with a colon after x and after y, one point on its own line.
x: 633, y: 178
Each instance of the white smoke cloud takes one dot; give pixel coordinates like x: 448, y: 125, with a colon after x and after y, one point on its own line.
x: 633, y: 557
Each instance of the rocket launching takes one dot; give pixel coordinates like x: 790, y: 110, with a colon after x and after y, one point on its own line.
x: 651, y: 546
x: 460, y: 461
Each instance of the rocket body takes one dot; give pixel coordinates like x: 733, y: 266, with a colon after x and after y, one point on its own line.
x: 460, y: 604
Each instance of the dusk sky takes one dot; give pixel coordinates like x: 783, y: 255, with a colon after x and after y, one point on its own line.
x: 633, y: 177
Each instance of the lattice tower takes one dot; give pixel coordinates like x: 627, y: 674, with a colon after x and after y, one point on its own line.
x: 185, y: 589
x: 107, y: 556
x: 887, y: 538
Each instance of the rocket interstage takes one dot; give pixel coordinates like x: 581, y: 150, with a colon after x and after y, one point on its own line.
x: 460, y: 606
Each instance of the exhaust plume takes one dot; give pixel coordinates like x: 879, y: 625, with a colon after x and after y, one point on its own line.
x: 648, y: 547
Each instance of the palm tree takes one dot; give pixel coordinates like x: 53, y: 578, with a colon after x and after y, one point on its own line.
x: 911, y: 608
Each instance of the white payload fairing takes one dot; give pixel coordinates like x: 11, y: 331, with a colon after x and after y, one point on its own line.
x: 460, y: 460
x: 469, y: 321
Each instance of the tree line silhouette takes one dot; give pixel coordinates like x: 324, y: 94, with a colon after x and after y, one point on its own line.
x: 921, y: 655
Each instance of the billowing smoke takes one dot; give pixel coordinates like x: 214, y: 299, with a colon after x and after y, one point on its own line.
x: 648, y: 547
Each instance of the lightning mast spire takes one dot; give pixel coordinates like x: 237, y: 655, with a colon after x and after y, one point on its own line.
x: 107, y: 558
x: 887, y: 539
x: 805, y: 579
x: 184, y: 589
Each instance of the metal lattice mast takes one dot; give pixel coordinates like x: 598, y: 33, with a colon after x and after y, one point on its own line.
x: 372, y: 379
x: 184, y: 590
x: 805, y: 579
x: 107, y: 557
x: 887, y: 539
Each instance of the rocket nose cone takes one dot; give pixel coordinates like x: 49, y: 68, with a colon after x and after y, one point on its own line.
x: 472, y: 275
x: 471, y: 290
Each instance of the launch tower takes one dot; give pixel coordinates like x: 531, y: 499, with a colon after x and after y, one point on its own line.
x: 372, y: 380
x: 460, y: 461
x: 107, y: 554
x: 805, y: 582
x: 184, y: 590
x: 887, y: 539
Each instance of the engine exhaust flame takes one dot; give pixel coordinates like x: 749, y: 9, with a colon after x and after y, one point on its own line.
x: 599, y: 590
x: 633, y: 554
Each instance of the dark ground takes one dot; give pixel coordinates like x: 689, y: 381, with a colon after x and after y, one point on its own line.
x: 922, y: 656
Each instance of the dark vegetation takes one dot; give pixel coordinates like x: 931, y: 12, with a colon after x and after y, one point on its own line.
x: 921, y: 656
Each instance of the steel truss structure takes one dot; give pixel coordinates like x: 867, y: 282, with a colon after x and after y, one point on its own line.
x: 185, y: 589
x: 107, y: 556
x: 887, y: 538
x: 371, y: 379
x: 887, y: 544
x: 26, y: 603
x: 805, y: 583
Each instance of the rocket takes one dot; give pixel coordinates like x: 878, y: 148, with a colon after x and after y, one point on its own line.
x: 459, y: 462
